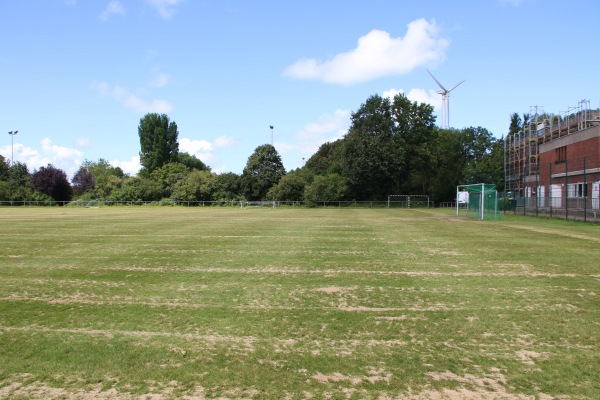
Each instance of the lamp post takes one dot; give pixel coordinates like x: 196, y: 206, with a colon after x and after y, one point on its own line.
x: 12, y: 146
x: 271, y: 126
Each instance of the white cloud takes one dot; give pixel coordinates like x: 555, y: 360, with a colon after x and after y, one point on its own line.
x: 160, y: 80
x: 114, y: 7
x: 70, y: 2
x: 131, y: 101
x: 195, y: 146
x: 65, y: 158
x: 204, y: 150
x: 165, y: 8
x: 326, y: 126
x: 131, y: 167
x: 376, y: 55
x: 419, y: 95
x: 82, y: 142
x: 225, y: 141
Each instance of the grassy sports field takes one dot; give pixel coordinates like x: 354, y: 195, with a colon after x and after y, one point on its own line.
x: 207, y: 303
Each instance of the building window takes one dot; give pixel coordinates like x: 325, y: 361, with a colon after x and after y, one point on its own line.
x: 561, y: 154
x: 577, y: 190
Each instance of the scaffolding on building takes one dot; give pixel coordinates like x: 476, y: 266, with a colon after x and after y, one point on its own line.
x: 521, y: 149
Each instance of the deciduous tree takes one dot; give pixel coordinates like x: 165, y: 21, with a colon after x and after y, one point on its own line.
x: 373, y: 155
x: 331, y: 187
x: 158, y: 141
x: 3, y: 169
x: 196, y: 186
x: 106, y: 178
x: 192, y: 162
x: 263, y: 170
x: 289, y: 188
x: 82, y: 181
x: 53, y: 182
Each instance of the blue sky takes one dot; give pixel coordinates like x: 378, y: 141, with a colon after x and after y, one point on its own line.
x: 77, y: 75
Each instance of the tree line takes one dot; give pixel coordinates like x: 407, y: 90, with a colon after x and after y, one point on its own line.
x: 392, y: 147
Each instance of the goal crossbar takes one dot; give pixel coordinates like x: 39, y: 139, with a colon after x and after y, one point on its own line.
x: 408, y: 200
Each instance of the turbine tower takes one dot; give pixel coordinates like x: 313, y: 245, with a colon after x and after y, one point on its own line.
x: 445, y: 103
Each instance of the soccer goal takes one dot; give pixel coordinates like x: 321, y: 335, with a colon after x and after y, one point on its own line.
x: 259, y: 204
x: 408, y: 201
x: 478, y: 201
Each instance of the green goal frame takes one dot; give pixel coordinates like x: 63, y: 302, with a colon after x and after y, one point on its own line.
x: 479, y: 201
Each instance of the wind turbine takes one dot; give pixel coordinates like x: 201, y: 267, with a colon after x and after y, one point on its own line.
x: 445, y: 103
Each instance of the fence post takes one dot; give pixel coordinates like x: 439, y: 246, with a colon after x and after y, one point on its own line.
x: 550, y: 190
x: 537, y: 188
x: 566, y: 189
x: 585, y: 191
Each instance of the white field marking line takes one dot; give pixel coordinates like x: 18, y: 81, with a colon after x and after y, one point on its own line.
x: 145, y: 334
x: 555, y: 232
x: 438, y: 307
x: 209, y: 338
x: 296, y: 271
x: 348, y: 271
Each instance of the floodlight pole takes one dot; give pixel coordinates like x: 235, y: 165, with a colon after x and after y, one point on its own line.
x: 271, y: 126
x: 12, y: 147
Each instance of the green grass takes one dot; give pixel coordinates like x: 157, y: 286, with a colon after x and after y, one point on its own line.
x: 296, y: 303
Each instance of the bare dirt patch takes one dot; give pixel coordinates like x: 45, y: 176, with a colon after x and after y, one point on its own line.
x: 372, y: 377
x: 332, y: 289
x: 490, y: 386
x: 528, y: 357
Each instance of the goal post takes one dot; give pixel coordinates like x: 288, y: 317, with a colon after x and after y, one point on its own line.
x: 478, y: 201
x: 408, y: 201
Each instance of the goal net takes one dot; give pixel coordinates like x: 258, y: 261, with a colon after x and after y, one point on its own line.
x: 408, y: 201
x: 259, y: 204
x: 478, y: 201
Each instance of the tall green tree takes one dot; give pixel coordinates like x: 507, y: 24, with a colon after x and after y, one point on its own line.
x: 450, y: 161
x: 158, y: 141
x: 389, y: 148
x: 263, y: 170
x: 327, y: 159
x: 466, y: 156
x: 372, y: 156
x: 415, y: 125
x: 516, y: 123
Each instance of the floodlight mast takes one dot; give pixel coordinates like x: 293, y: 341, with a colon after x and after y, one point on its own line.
x: 445, y: 101
x: 271, y: 126
x: 12, y: 147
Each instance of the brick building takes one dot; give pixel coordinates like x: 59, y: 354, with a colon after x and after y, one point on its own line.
x: 552, y: 166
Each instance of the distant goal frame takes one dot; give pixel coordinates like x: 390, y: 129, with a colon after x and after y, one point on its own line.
x: 410, y: 199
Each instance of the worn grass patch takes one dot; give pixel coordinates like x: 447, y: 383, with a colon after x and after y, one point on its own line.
x: 296, y: 303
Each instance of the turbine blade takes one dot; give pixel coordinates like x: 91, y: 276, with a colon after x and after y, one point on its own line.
x: 455, y: 86
x: 436, y: 81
